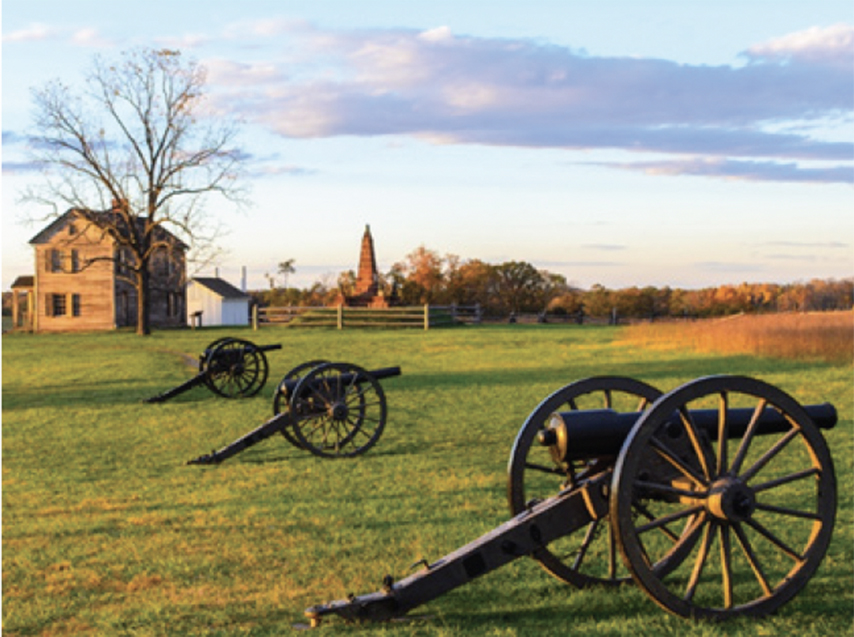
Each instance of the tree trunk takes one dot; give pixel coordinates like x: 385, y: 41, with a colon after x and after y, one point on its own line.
x: 143, y: 301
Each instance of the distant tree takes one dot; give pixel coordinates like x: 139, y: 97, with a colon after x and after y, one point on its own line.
x: 473, y: 283
x: 420, y: 276
x: 347, y: 283
x: 520, y: 286
x: 598, y: 301
x: 136, y: 144
x: 287, y: 268
x: 570, y: 301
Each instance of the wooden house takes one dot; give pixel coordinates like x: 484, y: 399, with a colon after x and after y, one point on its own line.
x: 81, y: 278
x: 214, y: 301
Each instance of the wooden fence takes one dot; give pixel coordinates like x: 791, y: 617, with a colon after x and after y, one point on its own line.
x: 341, y: 317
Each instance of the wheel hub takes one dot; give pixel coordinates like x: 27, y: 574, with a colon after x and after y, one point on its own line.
x: 731, y: 500
x: 338, y: 411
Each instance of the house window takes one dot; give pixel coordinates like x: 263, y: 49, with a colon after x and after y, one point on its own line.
x: 54, y: 263
x: 57, y: 305
x: 75, y: 261
x: 75, y: 305
x: 123, y: 262
x: 173, y: 304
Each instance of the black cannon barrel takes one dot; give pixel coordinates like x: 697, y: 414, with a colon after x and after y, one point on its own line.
x: 288, y: 386
x: 601, y: 432
x: 250, y: 346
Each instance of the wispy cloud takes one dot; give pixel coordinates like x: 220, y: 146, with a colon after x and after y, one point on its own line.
x: 88, y: 37
x: 605, y: 247
x: 20, y: 167
x: 92, y: 38
x: 830, y: 45
x: 741, y: 170
x: 456, y: 89
x: 279, y: 171
x: 581, y: 264
x: 33, y: 33
x: 727, y: 266
x: 810, y: 245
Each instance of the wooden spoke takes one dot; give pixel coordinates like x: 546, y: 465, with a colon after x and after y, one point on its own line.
x: 674, y: 460
x: 700, y: 562
x: 769, y: 455
x: 749, y: 433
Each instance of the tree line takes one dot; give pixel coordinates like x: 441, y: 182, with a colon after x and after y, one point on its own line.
x: 518, y: 287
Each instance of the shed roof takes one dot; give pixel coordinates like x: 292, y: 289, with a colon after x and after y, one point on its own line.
x: 220, y: 287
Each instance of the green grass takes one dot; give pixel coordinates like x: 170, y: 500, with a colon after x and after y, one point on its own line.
x: 106, y: 531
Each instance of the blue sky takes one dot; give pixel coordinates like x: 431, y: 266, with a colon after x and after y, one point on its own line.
x: 624, y: 143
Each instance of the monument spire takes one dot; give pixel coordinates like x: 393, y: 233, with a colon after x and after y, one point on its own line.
x: 367, y: 282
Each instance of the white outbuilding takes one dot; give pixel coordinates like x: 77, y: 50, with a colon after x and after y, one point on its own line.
x: 213, y: 301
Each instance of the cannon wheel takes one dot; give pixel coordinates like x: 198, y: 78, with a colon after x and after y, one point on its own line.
x: 338, y: 410
x: 281, y: 398
x: 760, y: 508
x: 588, y: 556
x: 235, y: 368
x: 204, y: 359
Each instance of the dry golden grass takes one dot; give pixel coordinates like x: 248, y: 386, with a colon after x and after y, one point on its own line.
x: 827, y: 336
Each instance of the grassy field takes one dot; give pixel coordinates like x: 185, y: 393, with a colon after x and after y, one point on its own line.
x: 106, y: 530
x: 822, y: 336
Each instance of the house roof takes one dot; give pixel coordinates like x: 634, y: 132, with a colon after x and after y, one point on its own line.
x: 26, y: 281
x: 101, y: 219
x: 220, y: 287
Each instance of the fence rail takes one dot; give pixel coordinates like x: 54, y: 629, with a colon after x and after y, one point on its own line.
x: 341, y: 317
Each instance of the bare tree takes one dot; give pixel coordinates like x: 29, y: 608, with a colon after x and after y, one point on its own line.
x: 136, y: 143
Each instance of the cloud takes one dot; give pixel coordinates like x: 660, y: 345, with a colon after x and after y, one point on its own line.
x: 581, y: 264
x: 83, y: 37
x: 822, y: 245
x: 459, y: 89
x: 34, y: 32
x: 90, y: 37
x: 228, y: 73
x: 186, y: 41
x: 20, y: 167
x: 605, y: 247
x: 829, y: 45
x: 728, y: 266
x: 740, y: 170
x: 11, y: 138
x: 278, y: 171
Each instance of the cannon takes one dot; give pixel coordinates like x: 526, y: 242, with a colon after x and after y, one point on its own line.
x: 229, y: 367
x: 332, y: 410
x: 718, y: 499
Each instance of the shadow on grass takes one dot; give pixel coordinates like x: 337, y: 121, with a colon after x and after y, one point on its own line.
x: 114, y: 392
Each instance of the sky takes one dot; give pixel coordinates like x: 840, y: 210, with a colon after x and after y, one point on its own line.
x: 616, y: 142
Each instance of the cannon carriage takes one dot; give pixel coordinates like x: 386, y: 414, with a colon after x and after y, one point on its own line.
x: 332, y: 410
x: 229, y: 367
x: 718, y: 499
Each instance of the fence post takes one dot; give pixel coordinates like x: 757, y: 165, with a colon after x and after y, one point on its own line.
x: 341, y: 317
x: 255, y: 317
x: 426, y: 316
